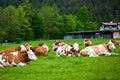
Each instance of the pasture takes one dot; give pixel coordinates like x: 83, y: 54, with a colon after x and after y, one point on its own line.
x: 65, y: 68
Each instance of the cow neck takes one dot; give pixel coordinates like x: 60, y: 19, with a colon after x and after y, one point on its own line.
x: 108, y: 48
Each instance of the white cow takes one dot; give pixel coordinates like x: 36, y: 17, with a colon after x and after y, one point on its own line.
x: 97, y: 50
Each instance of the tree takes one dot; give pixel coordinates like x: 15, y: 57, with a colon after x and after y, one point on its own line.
x: 50, y: 15
x: 9, y: 22
x: 69, y: 23
x: 15, y: 24
x: 25, y: 30
x: 83, y: 22
x: 38, y: 25
x: 83, y: 14
x: 79, y: 25
x: 28, y: 9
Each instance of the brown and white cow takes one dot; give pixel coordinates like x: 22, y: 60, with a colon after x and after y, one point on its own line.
x: 57, y: 44
x: 97, y: 50
x: 18, y: 58
x: 67, y: 50
x: 41, y: 49
x: 19, y: 48
x: 116, y: 42
x: 87, y: 42
x: 59, y: 47
x: 73, y: 50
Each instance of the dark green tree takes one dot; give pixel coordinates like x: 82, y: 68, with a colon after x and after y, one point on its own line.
x: 38, y: 25
x: 50, y: 15
x: 83, y: 14
x: 25, y: 30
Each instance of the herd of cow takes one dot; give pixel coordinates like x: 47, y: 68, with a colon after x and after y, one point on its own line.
x: 23, y: 54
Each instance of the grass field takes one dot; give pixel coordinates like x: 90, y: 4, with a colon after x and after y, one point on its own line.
x: 65, y: 68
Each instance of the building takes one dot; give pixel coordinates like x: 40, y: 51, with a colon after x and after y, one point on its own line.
x: 107, y: 30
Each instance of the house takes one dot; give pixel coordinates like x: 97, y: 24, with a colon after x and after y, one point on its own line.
x: 107, y: 30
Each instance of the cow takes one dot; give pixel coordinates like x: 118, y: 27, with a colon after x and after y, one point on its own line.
x: 87, y: 42
x: 41, y: 49
x: 17, y: 58
x: 19, y: 48
x: 59, y: 47
x: 60, y: 51
x: 67, y: 50
x: 116, y: 42
x: 73, y: 50
x: 98, y: 50
x: 57, y: 43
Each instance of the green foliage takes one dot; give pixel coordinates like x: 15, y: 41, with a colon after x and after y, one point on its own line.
x: 28, y: 9
x: 15, y: 24
x: 50, y: 15
x: 79, y: 26
x: 83, y: 22
x: 83, y: 14
x: 9, y: 22
x: 38, y: 25
x: 91, y: 26
x: 18, y: 40
x: 69, y: 23
x: 98, y: 8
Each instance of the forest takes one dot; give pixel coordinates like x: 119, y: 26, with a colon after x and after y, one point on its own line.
x: 22, y: 20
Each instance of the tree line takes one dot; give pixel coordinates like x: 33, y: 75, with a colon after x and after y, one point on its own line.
x: 25, y: 22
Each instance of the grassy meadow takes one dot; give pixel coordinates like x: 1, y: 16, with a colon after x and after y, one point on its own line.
x: 65, y: 68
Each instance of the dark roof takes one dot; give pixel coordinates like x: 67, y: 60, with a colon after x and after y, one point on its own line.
x: 95, y: 31
x: 110, y: 23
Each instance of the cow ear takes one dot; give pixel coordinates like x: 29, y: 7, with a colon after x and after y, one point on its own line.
x: 41, y: 44
x: 110, y: 41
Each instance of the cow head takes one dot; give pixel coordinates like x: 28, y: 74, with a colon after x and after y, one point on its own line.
x: 22, y: 48
x: 111, y: 45
x: 31, y: 55
x: 29, y: 50
x: 87, y: 42
x: 28, y: 46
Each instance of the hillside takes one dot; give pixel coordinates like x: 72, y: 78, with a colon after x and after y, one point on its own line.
x: 99, y: 9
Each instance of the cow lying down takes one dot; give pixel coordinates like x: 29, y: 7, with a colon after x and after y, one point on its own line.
x: 17, y: 58
x: 41, y: 49
x: 63, y: 49
x: 87, y: 42
x: 116, y: 42
x: 97, y: 50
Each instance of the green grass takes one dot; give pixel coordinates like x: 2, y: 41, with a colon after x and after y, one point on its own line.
x: 65, y: 68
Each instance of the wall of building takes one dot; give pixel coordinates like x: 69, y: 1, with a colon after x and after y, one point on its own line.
x: 116, y: 34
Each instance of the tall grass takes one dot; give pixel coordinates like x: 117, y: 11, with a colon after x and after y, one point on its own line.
x: 65, y: 68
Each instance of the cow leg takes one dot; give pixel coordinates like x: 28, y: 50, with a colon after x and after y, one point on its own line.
x: 79, y: 54
x: 69, y: 54
x: 108, y: 54
x: 21, y: 64
x: 1, y: 66
x: 57, y: 54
